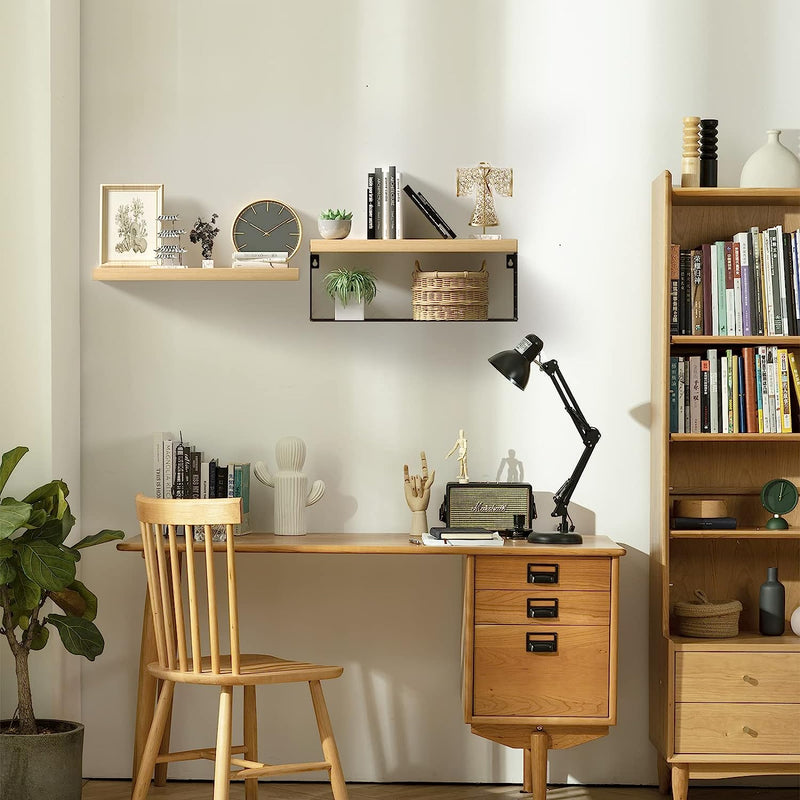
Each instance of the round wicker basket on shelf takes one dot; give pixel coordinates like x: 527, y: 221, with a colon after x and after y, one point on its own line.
x: 450, y: 295
x: 707, y: 620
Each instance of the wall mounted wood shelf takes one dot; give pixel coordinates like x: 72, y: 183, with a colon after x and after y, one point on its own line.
x: 195, y: 274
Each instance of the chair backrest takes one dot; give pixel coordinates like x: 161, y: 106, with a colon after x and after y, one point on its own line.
x: 163, y: 561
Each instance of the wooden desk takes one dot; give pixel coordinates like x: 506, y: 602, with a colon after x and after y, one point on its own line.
x: 540, y: 637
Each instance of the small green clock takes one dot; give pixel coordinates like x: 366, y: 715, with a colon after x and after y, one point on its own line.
x: 267, y: 226
x: 779, y: 497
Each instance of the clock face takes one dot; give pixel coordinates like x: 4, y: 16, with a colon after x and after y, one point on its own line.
x: 779, y: 496
x: 267, y: 226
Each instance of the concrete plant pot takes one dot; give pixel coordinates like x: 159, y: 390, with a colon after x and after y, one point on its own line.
x: 334, y: 228
x: 47, y: 765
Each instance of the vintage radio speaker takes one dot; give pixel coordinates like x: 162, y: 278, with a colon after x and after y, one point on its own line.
x: 487, y: 505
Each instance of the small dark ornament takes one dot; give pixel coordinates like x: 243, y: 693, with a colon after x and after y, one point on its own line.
x: 708, y: 152
x: 204, y: 233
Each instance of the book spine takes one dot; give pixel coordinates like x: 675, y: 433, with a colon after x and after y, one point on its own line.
x: 721, y: 301
x: 203, y: 480
x: 770, y: 284
x: 754, y: 254
x: 741, y: 252
x: 740, y: 397
x: 386, y: 214
x: 231, y: 477
x: 776, y: 243
x: 697, y: 293
x: 158, y: 465
x: 713, y: 369
x: 674, y: 282
x: 708, y: 317
x: 685, y: 292
x: 391, y: 194
x: 245, y: 498
x: 724, y: 383
x: 705, y: 397
x: 734, y: 394
x: 169, y: 468
x: 730, y: 304
x: 212, y: 478
x: 759, y: 388
x: 712, y: 261
x: 398, y: 205
x: 673, y: 394
x: 378, y: 202
x: 771, y: 389
x: 751, y: 399
x: 421, y: 206
x: 682, y: 404
x: 785, y: 400
x: 738, y: 306
x: 221, y: 488
x: 436, y: 215
x: 371, y: 205
x: 796, y: 274
x: 695, y: 392
x: 788, y: 281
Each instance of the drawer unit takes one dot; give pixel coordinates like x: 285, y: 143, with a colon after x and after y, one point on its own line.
x: 737, y: 677
x: 540, y: 671
x: 542, y: 573
x: 737, y: 728
x: 510, y: 607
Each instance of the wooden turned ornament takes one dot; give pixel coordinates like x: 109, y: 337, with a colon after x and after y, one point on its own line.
x: 690, y: 162
x: 708, y: 152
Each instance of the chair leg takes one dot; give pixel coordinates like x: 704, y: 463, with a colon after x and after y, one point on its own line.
x: 151, y: 747
x: 222, y: 763
x: 250, y: 739
x: 329, y: 749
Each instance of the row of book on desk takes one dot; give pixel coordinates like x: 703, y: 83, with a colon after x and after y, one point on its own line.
x: 181, y: 472
x: 747, y: 286
x: 748, y: 390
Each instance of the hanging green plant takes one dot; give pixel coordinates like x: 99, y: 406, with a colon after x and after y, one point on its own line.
x: 351, y: 284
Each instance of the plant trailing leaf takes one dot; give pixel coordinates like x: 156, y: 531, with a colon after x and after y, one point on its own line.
x: 351, y: 284
x: 13, y: 515
x: 98, y: 538
x: 78, y: 635
x: 331, y: 214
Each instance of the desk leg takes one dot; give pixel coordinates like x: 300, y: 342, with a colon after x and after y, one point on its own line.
x: 526, y: 770
x: 538, y: 763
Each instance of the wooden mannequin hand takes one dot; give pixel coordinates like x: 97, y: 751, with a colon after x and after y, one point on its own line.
x: 418, y: 487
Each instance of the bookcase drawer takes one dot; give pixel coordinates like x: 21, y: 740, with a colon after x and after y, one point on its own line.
x: 542, y: 573
x: 509, y: 607
x: 539, y: 671
x: 737, y: 677
x: 737, y: 728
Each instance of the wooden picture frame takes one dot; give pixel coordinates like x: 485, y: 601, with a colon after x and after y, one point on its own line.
x: 129, y: 223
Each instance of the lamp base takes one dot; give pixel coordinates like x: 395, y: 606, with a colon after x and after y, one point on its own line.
x: 555, y: 537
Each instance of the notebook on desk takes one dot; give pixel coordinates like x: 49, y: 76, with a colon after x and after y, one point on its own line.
x: 455, y: 541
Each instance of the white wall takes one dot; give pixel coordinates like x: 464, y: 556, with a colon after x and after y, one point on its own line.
x: 230, y: 102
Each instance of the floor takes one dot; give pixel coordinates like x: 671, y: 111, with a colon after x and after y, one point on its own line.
x: 179, y: 790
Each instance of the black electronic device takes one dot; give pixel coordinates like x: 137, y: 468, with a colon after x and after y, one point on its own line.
x: 493, y: 506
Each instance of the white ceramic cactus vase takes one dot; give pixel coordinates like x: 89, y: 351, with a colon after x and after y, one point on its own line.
x: 292, y: 494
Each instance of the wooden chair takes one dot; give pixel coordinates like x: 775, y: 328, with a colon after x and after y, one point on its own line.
x: 180, y: 659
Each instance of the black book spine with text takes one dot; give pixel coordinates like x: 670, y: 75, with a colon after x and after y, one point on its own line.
x: 419, y: 204
x: 371, y: 205
x: 788, y: 275
x: 378, y: 194
x: 221, y: 484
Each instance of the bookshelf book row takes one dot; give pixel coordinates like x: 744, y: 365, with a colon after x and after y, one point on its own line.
x: 181, y: 472
x: 724, y: 391
x: 748, y: 286
x: 385, y: 207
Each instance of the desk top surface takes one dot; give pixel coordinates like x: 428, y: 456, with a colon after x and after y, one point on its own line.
x: 395, y: 543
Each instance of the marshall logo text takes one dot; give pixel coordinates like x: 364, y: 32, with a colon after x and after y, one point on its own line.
x: 488, y: 508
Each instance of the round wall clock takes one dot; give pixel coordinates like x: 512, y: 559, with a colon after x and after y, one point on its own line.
x: 267, y: 226
x: 779, y: 496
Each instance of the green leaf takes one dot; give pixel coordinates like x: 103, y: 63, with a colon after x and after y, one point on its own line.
x: 6, y: 548
x: 37, y: 519
x: 98, y: 538
x: 79, y: 636
x: 51, y: 497
x: 25, y: 593
x: 40, y: 637
x: 47, y: 565
x: 7, y: 571
x: 13, y: 515
x: 77, y: 601
x: 9, y: 462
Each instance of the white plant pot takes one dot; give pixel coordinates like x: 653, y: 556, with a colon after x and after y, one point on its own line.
x: 352, y: 311
x: 208, y: 263
x: 334, y: 228
x: 771, y: 166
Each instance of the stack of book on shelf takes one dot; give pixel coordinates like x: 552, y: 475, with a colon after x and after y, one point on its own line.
x: 260, y: 259
x: 735, y: 391
x: 384, y: 209
x: 748, y: 286
x: 181, y: 472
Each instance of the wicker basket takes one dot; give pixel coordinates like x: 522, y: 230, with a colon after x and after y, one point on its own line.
x: 707, y: 620
x: 450, y: 295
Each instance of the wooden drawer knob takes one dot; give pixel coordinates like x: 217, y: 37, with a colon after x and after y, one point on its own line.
x: 750, y: 731
x: 750, y: 680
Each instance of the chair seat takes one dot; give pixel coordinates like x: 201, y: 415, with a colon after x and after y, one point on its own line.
x: 255, y: 668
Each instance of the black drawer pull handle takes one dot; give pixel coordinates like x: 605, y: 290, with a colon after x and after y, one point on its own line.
x: 538, y: 611
x: 536, y: 644
x: 542, y: 573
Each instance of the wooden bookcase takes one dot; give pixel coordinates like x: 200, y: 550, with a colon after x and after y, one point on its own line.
x: 718, y: 707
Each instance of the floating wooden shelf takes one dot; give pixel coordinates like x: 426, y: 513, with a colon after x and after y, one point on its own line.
x: 745, y: 641
x: 195, y: 274
x: 413, y: 246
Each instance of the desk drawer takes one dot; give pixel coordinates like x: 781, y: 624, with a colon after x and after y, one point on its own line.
x: 737, y: 677
x: 570, y: 680
x: 737, y: 728
x: 542, y: 573
x: 505, y: 607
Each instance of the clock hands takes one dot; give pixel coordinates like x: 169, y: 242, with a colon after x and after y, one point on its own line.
x: 266, y: 233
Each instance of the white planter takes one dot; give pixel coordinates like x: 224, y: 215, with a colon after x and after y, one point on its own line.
x: 772, y: 166
x: 208, y: 263
x: 352, y: 311
x: 334, y: 228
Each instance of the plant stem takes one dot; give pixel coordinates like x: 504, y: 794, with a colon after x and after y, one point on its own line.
x: 21, y: 651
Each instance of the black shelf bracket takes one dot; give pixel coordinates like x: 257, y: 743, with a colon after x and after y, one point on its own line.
x: 511, y: 263
x: 314, y: 260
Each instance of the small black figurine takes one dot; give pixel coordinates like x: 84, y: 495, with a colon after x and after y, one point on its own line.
x: 708, y: 152
x: 204, y: 233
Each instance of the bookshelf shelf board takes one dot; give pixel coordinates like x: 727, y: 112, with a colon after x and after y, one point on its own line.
x: 734, y: 196
x: 735, y: 437
x: 742, y: 533
x: 195, y: 274
x: 778, y: 341
x: 745, y: 641
x: 413, y: 246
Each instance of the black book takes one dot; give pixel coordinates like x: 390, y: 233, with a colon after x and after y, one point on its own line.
x: 436, y: 215
x: 196, y: 457
x: 685, y: 293
x: 429, y: 213
x: 221, y: 485
x: 703, y: 523
x: 378, y: 194
x: 791, y: 308
x: 389, y: 201
x: 756, y: 266
x: 705, y: 397
x: 371, y: 205
x: 212, y: 478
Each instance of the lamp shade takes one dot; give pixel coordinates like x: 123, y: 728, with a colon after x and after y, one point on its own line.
x: 515, y: 364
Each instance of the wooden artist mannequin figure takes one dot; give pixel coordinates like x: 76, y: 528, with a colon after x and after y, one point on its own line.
x: 461, y: 445
x: 418, y: 492
x: 292, y: 494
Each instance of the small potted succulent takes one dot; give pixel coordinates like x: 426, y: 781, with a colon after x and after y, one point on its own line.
x: 203, y: 234
x: 351, y: 290
x: 335, y: 224
x: 42, y: 758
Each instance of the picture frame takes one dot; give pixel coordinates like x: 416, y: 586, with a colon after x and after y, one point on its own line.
x: 129, y: 223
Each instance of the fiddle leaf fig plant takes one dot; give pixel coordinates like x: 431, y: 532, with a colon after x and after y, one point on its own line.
x: 36, y: 566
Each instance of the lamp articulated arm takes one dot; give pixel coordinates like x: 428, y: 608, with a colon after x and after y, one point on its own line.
x: 589, y: 435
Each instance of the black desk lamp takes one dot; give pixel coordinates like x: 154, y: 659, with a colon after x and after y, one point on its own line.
x: 516, y: 366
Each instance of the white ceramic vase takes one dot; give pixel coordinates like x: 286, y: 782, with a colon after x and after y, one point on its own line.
x: 771, y: 166
x: 794, y: 622
x: 354, y: 310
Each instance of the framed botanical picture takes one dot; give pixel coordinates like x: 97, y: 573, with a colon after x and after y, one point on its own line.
x: 129, y: 223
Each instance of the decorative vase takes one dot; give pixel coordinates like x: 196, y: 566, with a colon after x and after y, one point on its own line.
x: 795, y: 621
x: 353, y: 310
x: 771, y: 605
x: 772, y: 165
x: 334, y: 228
x: 208, y: 263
